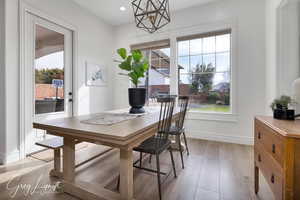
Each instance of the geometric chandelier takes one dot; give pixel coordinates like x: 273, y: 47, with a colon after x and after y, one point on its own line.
x: 151, y: 15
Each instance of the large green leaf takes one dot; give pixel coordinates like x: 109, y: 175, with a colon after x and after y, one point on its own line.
x: 134, y: 78
x: 138, y: 71
x: 132, y: 75
x: 126, y: 65
x: 137, y: 55
x: 122, y: 52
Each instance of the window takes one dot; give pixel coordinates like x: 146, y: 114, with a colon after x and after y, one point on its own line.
x: 205, y: 71
x: 157, y: 79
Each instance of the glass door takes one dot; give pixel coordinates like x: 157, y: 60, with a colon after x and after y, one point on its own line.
x: 50, y: 77
x: 49, y: 70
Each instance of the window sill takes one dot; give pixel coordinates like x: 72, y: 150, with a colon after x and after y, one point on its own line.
x: 212, y: 116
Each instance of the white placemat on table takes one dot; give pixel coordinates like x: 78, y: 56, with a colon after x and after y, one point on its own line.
x: 116, y: 116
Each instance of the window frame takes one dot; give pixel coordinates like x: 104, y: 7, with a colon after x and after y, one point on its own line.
x: 216, y: 33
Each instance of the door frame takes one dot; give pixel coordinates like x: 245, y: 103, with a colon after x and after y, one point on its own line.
x: 25, y: 9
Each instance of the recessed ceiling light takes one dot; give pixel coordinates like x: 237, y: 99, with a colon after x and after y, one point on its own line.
x: 122, y: 8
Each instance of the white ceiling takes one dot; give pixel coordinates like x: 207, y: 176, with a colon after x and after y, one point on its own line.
x: 109, y: 10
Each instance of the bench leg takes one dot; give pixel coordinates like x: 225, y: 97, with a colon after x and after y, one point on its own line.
x: 57, y: 159
x: 56, y: 172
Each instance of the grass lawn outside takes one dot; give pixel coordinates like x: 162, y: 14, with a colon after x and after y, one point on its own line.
x: 212, y: 108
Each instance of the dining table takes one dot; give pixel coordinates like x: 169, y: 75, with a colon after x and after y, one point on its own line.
x: 117, y: 133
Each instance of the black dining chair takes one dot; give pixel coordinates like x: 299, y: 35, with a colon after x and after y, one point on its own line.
x: 178, y: 129
x: 160, y: 142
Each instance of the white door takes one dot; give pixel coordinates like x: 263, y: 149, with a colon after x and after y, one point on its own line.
x: 48, y: 63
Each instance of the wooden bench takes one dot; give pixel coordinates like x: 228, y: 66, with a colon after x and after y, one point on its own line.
x: 56, y: 143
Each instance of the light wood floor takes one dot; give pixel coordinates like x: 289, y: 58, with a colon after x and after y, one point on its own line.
x: 213, y: 171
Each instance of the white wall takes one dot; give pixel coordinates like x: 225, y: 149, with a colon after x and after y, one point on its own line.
x: 250, y: 63
x: 2, y: 81
x: 282, y: 48
x: 93, y: 44
x: 11, y: 79
x: 288, y: 46
x: 271, y: 52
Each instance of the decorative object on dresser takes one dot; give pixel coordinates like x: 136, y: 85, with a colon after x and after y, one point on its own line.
x: 281, y: 108
x: 136, y: 66
x: 277, y: 153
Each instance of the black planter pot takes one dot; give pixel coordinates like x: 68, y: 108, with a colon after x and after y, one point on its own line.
x: 137, y: 100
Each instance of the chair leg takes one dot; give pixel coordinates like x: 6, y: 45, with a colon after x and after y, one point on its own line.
x: 173, y: 163
x: 186, y: 145
x: 158, y: 175
x: 141, y: 157
x: 180, y: 150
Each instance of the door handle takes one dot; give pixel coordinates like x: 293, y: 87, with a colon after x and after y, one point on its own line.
x: 273, y: 178
x: 70, y: 100
x: 70, y: 93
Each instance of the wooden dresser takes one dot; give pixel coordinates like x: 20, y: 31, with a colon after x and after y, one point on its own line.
x: 277, y: 156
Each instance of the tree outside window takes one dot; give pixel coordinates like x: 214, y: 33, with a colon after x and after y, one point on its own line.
x: 205, y: 76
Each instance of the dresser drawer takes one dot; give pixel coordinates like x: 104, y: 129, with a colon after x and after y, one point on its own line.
x: 270, y: 140
x: 271, y: 170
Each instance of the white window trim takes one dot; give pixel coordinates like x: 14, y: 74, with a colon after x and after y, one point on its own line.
x: 213, y: 116
x: 173, y: 34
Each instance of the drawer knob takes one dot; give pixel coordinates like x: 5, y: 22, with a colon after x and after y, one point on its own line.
x: 259, y: 135
x: 273, y: 178
x: 273, y: 148
x: 259, y: 158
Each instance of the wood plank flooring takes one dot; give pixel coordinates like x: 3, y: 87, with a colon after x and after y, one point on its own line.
x: 213, y: 171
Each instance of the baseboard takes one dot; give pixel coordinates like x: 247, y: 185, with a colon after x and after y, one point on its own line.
x: 12, y: 157
x: 221, y: 137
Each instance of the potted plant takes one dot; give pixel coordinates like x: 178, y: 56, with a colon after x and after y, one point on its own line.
x: 136, y: 66
x: 281, y: 109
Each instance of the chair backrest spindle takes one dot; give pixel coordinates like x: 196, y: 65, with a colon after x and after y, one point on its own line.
x: 165, y: 117
x: 183, y: 104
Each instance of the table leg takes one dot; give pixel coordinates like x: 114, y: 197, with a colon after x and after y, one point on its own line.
x: 126, y: 174
x: 69, y: 160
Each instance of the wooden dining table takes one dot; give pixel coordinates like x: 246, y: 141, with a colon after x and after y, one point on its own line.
x: 124, y: 135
